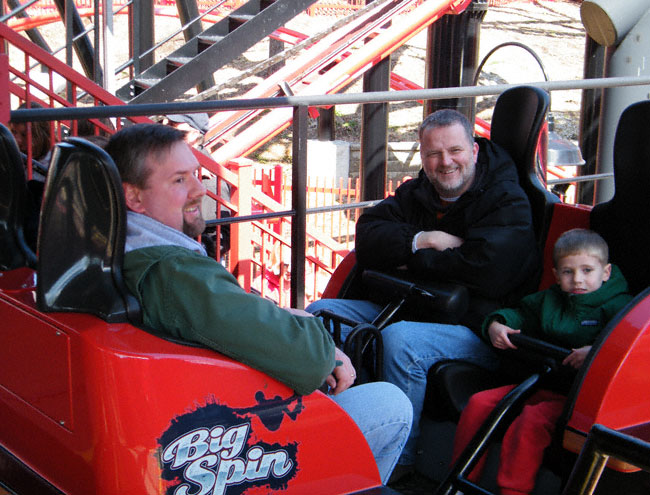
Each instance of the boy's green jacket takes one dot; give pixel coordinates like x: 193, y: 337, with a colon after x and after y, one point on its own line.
x: 563, y: 319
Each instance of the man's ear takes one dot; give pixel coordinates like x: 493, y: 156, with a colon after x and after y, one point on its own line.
x: 132, y: 197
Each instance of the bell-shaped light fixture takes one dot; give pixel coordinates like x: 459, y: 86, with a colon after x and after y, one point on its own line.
x: 561, y: 152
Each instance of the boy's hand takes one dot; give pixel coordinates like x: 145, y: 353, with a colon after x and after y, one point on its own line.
x: 498, y: 333
x: 577, y: 357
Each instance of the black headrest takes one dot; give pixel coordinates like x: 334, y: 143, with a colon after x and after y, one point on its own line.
x: 14, y: 251
x: 623, y: 221
x: 82, y: 234
x: 517, y: 123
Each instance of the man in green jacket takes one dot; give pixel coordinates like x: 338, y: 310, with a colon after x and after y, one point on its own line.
x: 186, y: 295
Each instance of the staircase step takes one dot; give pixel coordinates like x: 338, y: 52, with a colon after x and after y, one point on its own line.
x: 235, y: 21
x: 174, y: 63
x: 138, y: 85
x: 205, y: 41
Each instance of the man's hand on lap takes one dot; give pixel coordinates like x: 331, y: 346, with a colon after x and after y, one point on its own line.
x: 343, y: 376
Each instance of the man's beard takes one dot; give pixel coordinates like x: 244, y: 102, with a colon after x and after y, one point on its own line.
x: 195, y: 228
x: 448, y: 191
x: 453, y: 190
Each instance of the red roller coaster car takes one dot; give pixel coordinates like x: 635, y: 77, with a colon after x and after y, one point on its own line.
x: 90, y: 403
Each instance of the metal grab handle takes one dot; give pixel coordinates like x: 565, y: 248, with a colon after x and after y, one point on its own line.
x: 445, y: 297
x: 357, y: 341
x: 539, y: 346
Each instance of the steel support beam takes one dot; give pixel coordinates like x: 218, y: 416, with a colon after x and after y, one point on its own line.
x: 142, y: 34
x: 275, y: 47
x: 590, y: 107
x: 83, y: 47
x: 188, y: 11
x: 327, y: 124
x: 452, y: 56
x: 298, y: 205
x: 624, y: 33
x: 374, y: 134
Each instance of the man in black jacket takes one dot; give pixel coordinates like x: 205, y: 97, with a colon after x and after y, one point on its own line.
x: 464, y: 220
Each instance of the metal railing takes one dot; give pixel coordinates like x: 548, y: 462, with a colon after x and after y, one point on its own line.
x: 603, y: 443
x: 300, y: 104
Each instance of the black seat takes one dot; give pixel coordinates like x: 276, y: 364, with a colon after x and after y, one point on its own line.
x: 14, y: 203
x: 82, y: 234
x: 623, y: 221
x: 517, y: 124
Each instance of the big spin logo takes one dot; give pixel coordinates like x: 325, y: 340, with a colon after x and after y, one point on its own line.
x: 209, y: 452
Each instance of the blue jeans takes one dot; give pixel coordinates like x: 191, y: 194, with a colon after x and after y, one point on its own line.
x: 384, y: 415
x: 410, y: 349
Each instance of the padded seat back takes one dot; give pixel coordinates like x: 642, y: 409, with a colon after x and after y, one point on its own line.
x: 624, y: 220
x: 14, y: 251
x: 517, y: 124
x: 82, y: 235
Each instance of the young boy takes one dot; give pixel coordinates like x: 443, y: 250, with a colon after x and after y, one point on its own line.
x: 588, y: 293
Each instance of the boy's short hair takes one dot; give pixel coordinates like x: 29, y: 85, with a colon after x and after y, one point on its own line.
x: 578, y: 241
